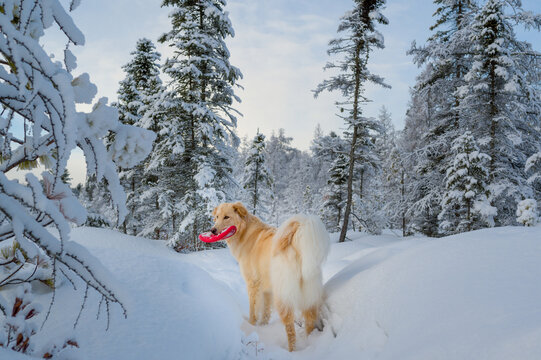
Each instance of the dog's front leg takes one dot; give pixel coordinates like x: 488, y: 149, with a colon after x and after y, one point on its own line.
x: 253, y: 295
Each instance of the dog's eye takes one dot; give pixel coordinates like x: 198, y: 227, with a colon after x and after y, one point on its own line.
x: 226, y: 217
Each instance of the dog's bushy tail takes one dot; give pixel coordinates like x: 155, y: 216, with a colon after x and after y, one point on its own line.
x: 308, y: 236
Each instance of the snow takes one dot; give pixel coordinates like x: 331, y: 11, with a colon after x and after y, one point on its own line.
x: 468, y: 296
x: 83, y: 89
x: 527, y: 212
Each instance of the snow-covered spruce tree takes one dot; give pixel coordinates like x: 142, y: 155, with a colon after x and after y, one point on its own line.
x: 139, y: 90
x: 527, y: 214
x: 280, y: 156
x: 368, y: 201
x: 385, y: 143
x: 395, y: 176
x: 320, y: 167
x: 325, y: 151
x: 391, y: 175
x: 533, y: 170
x: 200, y: 119
x: 257, y: 181
x: 465, y: 204
x: 97, y: 201
x: 334, y: 194
x: 301, y: 175
x: 446, y: 55
x: 354, y: 49
x: 502, y: 102
x: 434, y: 117
x: 39, y: 123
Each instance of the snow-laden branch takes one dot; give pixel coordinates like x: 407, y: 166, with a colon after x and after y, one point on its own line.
x: 39, y: 96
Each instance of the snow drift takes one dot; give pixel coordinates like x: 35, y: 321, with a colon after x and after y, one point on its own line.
x: 469, y: 296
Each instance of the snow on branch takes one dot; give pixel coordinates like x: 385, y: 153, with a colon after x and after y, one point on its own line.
x: 39, y: 124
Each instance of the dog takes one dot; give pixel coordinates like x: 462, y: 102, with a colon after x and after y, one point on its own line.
x: 281, y: 267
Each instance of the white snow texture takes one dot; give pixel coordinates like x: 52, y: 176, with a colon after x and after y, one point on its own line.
x: 468, y: 296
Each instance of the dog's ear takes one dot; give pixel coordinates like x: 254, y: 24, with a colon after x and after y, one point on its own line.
x: 240, y: 209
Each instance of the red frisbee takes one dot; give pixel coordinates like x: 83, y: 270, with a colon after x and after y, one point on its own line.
x: 209, y: 237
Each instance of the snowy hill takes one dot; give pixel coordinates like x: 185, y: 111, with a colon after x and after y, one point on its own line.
x: 469, y: 296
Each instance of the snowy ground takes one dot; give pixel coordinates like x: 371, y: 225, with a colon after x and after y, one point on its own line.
x: 471, y: 296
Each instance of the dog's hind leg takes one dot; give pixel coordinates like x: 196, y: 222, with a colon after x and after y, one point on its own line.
x: 288, y: 319
x: 267, y: 300
x: 253, y: 296
x: 310, y: 318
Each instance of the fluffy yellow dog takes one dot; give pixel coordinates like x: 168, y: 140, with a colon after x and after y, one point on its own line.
x: 280, y: 266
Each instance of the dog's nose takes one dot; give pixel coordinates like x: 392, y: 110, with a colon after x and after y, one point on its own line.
x: 214, y: 231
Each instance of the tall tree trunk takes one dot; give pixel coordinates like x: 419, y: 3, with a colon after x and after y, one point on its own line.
x: 347, y: 211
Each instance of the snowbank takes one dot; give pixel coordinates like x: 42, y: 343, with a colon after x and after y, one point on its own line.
x: 175, y: 309
x: 469, y: 296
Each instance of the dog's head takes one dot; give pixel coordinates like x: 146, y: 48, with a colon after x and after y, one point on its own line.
x: 228, y: 214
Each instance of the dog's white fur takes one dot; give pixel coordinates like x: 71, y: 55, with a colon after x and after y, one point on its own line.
x: 311, y: 240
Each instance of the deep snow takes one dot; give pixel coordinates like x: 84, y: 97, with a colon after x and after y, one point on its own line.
x: 470, y: 296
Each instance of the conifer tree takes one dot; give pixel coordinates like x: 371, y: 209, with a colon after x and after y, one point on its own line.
x: 394, y: 183
x: 140, y: 88
x: 533, y: 169
x: 325, y: 151
x: 502, y: 102
x: 200, y: 118
x: 354, y: 50
x: 280, y: 156
x: 335, y: 194
x: 257, y: 181
x: 465, y: 204
x: 434, y: 117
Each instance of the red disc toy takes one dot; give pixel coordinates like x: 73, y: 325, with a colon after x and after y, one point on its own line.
x: 209, y: 237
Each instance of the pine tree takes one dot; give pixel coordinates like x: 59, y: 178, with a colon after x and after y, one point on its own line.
x: 97, y: 202
x: 533, y: 169
x: 280, y: 156
x: 392, y: 176
x: 465, y: 204
x: 138, y: 91
x: 200, y: 118
x: 395, y: 176
x: 325, y: 151
x: 355, y: 49
x: 434, y: 119
x: 368, y: 204
x: 257, y: 181
x: 334, y: 196
x: 502, y: 102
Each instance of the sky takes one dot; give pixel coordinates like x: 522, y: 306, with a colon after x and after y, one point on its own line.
x: 280, y: 47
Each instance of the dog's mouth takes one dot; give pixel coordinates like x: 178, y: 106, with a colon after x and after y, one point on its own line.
x: 209, y: 237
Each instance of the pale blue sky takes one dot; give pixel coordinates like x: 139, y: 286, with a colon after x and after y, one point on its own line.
x: 280, y: 46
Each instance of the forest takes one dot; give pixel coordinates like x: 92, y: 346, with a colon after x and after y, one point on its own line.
x: 467, y: 158
x: 167, y: 151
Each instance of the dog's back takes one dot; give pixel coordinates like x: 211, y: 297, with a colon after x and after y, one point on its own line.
x: 300, y: 246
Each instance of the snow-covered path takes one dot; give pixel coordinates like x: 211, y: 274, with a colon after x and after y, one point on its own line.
x: 471, y: 296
